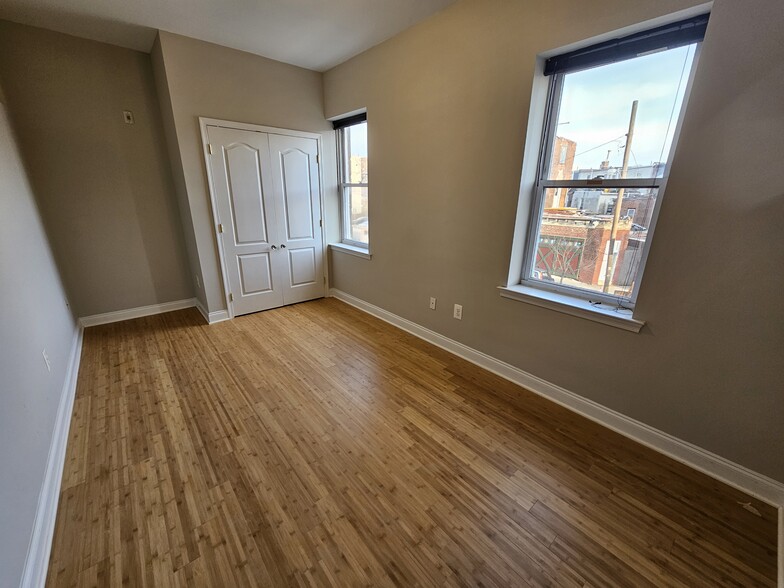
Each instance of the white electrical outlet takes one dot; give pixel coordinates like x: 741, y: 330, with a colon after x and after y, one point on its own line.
x: 432, y: 303
x: 458, y: 314
x: 198, y: 283
x: 46, y: 359
x: 128, y: 117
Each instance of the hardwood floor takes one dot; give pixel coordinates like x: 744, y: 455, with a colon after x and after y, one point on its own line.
x: 315, y: 445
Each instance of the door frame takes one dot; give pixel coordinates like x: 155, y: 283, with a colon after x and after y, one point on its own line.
x: 204, y: 123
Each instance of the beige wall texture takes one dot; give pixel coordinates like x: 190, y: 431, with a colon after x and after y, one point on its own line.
x: 173, y: 148
x: 35, y: 316
x: 104, y: 188
x: 448, y: 104
x: 208, y: 80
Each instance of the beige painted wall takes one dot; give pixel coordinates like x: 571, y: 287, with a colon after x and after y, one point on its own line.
x: 178, y: 175
x: 216, y: 82
x: 448, y: 102
x: 105, y: 188
x: 35, y: 316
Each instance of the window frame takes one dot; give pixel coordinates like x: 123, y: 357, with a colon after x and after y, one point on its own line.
x: 541, y: 184
x: 344, y: 186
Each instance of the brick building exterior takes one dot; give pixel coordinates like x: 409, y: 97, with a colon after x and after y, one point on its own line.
x: 572, y: 245
x: 560, y: 169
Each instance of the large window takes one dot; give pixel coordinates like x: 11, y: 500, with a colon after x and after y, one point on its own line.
x: 353, y: 175
x: 611, y: 120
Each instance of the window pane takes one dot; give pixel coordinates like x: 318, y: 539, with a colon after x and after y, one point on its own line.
x: 575, y: 233
x: 595, y: 107
x: 355, y: 154
x: 356, y: 200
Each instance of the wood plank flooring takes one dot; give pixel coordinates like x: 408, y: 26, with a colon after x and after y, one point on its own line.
x: 314, y: 445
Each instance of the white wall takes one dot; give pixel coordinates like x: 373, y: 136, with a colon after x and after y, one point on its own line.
x: 448, y: 103
x: 34, y: 315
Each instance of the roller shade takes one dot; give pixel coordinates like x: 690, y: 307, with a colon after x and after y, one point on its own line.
x: 349, y: 120
x: 677, y: 34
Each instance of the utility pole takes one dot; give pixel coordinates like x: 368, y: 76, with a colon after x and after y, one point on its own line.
x: 612, y: 256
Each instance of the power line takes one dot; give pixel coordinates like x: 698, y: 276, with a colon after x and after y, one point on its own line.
x: 602, y: 145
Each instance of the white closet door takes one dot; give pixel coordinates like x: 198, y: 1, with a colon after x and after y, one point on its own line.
x: 295, y: 184
x: 241, y: 174
x: 267, y: 195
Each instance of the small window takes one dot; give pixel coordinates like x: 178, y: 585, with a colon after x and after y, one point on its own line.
x: 611, y: 119
x: 353, y: 178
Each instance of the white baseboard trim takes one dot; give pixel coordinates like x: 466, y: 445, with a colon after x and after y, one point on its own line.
x: 740, y: 477
x: 132, y: 313
x: 212, y: 317
x: 202, y: 311
x: 37, y: 562
x: 715, y: 466
x: 780, y: 578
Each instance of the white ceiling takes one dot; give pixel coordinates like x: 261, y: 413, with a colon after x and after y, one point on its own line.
x: 316, y: 34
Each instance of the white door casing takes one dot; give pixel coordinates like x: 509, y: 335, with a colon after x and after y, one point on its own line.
x: 265, y: 191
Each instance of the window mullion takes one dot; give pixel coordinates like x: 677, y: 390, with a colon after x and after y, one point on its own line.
x: 603, y: 184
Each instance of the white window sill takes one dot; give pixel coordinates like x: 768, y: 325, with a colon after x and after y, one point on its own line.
x: 571, y: 305
x: 351, y: 250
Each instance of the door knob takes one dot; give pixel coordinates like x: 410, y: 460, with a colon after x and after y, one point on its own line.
x: 282, y: 246
x: 274, y: 248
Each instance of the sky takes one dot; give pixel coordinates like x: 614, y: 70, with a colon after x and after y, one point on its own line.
x: 358, y: 139
x: 596, y: 104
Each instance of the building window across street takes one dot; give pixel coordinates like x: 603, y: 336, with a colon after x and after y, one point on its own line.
x: 609, y: 135
x: 353, y: 179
